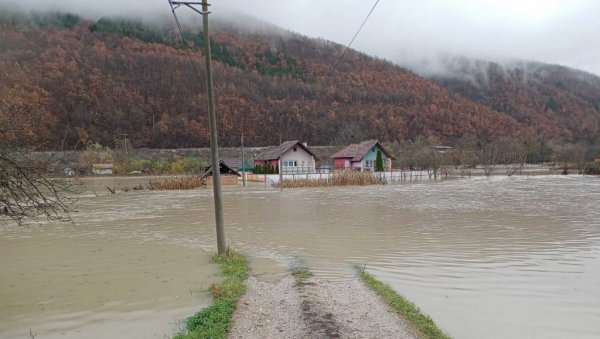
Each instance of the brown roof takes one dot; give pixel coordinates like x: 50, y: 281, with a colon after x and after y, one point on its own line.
x: 274, y: 152
x: 223, y: 169
x: 358, y: 151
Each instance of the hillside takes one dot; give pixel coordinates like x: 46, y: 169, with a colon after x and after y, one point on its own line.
x: 555, y: 101
x: 68, y: 81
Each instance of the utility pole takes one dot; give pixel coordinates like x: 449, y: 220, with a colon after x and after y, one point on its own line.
x: 212, y: 118
x: 243, y: 164
x: 280, y: 165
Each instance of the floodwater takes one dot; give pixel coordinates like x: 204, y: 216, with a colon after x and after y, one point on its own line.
x: 500, y: 257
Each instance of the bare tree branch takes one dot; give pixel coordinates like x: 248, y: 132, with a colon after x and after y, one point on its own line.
x: 25, y: 191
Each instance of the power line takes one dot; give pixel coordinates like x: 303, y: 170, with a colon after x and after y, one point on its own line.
x: 186, y: 47
x: 355, y: 35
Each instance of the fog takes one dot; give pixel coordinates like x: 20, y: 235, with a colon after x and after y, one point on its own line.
x: 411, y: 33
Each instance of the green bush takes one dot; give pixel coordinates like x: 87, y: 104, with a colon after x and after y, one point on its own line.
x: 161, y: 167
x: 379, y: 162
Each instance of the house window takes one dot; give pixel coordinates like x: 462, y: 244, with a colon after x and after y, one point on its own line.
x: 290, y: 163
x: 368, y: 163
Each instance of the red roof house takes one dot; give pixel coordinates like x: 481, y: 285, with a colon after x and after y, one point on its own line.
x: 362, y: 156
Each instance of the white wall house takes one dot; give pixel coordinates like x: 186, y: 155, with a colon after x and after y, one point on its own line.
x: 296, y: 157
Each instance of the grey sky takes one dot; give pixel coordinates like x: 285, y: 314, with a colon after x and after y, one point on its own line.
x: 564, y: 32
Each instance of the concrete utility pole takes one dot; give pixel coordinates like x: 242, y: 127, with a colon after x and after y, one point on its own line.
x: 280, y: 165
x: 214, y: 148
x: 243, y: 164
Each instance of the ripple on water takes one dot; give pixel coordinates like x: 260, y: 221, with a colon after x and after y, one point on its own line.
x: 520, y: 255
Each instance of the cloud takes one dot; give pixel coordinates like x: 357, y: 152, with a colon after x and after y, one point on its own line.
x: 411, y: 33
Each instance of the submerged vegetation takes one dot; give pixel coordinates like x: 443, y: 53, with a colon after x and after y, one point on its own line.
x: 346, y: 178
x: 215, y: 321
x: 422, y: 322
x: 176, y: 183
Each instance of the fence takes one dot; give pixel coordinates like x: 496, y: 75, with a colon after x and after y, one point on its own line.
x: 398, y: 175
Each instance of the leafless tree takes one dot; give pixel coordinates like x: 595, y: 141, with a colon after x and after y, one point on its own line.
x: 351, y: 133
x: 571, y: 155
x: 511, y: 154
x: 487, y: 157
x: 94, y: 153
x: 25, y: 191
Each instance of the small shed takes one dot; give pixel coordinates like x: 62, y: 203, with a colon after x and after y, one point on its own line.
x: 102, y: 169
x: 229, y: 176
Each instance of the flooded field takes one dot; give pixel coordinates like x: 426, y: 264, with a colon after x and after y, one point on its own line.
x: 493, y: 257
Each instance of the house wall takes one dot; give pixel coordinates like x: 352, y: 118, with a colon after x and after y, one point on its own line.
x: 304, y: 159
x: 372, y: 155
x: 102, y: 171
x: 356, y: 164
x: 341, y: 163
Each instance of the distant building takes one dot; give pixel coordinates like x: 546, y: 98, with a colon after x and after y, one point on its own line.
x: 229, y: 176
x: 102, y: 169
x: 362, y: 156
x: 295, y: 156
x: 68, y: 171
x: 442, y: 149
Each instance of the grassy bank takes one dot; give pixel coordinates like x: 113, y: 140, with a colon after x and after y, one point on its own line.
x: 215, y: 321
x: 422, y: 322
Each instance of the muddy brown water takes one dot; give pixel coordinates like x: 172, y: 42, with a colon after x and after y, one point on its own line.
x: 497, y: 257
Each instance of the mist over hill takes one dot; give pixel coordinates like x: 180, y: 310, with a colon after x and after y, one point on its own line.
x: 68, y: 81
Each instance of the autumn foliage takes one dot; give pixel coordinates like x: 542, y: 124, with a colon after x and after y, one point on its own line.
x: 68, y: 82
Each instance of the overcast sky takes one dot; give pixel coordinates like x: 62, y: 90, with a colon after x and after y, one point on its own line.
x: 563, y: 32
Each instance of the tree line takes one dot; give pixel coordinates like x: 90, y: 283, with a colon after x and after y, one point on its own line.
x: 505, y: 155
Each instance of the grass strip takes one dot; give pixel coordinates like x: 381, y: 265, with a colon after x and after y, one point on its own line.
x: 301, y: 274
x: 215, y: 320
x: 422, y: 322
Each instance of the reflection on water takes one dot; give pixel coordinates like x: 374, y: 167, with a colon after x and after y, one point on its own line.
x: 495, y: 257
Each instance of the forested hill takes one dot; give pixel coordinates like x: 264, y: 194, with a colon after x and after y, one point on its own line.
x: 67, y: 82
x: 556, y: 100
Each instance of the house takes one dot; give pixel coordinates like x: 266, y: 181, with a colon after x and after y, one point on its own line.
x: 362, y: 156
x: 102, y: 169
x: 236, y: 164
x: 442, y: 149
x: 229, y: 176
x: 68, y: 171
x: 295, y: 156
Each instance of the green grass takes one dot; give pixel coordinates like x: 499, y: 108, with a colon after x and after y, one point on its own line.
x: 421, y: 322
x: 215, y: 321
x: 301, y: 274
